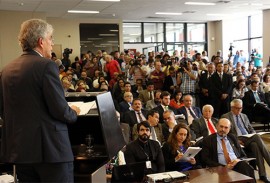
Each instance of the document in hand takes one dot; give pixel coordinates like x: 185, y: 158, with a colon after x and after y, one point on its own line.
x: 85, y: 107
x: 191, y: 152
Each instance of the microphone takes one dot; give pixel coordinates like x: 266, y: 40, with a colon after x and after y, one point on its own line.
x: 59, y: 64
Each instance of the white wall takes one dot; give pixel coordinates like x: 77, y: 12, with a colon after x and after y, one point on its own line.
x: 266, y: 36
x: 214, y: 29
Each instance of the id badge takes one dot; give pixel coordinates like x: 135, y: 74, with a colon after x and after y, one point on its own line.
x: 148, y: 164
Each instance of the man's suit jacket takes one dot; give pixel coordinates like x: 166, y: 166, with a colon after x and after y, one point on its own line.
x: 209, y: 149
x: 249, y: 101
x: 130, y: 117
x: 35, y: 112
x: 160, y: 111
x: 124, y: 106
x: 135, y: 153
x: 244, y: 119
x: 218, y: 87
x: 182, y: 110
x: 204, y: 81
x: 199, y: 127
x: 168, y: 82
x: 144, y: 96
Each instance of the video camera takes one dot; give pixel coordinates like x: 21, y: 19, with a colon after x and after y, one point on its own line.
x: 183, y: 65
x: 68, y: 51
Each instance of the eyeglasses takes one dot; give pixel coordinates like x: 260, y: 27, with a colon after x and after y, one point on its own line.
x: 238, y: 108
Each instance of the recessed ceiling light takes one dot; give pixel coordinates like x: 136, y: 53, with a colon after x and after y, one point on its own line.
x: 200, y: 3
x: 167, y: 13
x: 81, y: 11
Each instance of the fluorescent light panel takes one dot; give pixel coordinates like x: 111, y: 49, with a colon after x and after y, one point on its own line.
x: 167, y: 13
x: 105, y: 0
x: 82, y: 11
x: 114, y: 30
x: 200, y: 3
x: 217, y: 15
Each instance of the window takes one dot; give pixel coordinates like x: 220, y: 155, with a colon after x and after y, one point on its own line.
x: 174, y: 32
x: 132, y: 32
x: 256, y: 25
x: 153, y: 32
x: 196, y: 33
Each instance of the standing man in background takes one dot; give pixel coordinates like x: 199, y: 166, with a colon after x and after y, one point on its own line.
x: 35, y: 112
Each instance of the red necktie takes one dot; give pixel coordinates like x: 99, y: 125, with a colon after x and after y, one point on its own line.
x: 210, y: 127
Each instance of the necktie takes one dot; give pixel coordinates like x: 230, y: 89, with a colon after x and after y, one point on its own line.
x: 151, y: 96
x: 256, y: 96
x: 140, y: 116
x: 192, y: 113
x: 240, y: 126
x: 225, y: 151
x: 220, y: 75
x: 210, y: 127
x: 153, y: 133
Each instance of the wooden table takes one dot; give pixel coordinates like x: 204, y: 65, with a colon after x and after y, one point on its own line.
x: 216, y: 174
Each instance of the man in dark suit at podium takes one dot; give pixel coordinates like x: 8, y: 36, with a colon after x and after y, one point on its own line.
x: 35, y: 112
x: 144, y: 149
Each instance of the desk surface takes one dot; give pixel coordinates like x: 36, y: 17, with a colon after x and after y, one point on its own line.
x: 216, y: 174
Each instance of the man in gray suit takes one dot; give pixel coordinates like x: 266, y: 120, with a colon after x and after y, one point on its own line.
x: 254, y: 144
x: 35, y: 112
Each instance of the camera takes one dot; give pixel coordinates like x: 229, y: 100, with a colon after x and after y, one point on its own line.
x: 68, y: 51
x: 169, y: 62
x: 183, y: 65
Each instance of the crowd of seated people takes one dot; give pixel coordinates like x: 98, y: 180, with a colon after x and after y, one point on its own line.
x: 198, y: 89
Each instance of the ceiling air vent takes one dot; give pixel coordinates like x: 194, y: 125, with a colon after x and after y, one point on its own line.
x: 159, y: 18
x: 224, y: 2
x: 185, y: 12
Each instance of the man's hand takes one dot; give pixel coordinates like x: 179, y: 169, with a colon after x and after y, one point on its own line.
x: 232, y: 164
x: 76, y: 109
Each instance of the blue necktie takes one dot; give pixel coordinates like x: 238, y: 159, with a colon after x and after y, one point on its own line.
x: 256, y: 96
x: 240, y: 126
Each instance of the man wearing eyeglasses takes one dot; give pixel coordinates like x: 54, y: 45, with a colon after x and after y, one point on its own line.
x: 254, y: 146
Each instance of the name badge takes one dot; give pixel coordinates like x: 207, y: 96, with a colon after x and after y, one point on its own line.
x: 148, y: 164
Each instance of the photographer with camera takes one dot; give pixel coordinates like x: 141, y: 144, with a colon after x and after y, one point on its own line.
x: 66, y: 61
x: 137, y: 70
x: 186, y: 78
x: 256, y: 57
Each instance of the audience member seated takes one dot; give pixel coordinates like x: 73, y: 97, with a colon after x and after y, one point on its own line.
x: 176, y: 102
x: 205, y: 125
x: 88, y: 81
x: 136, y: 115
x: 103, y: 86
x: 137, y: 88
x: 266, y: 82
x: 223, y: 149
x: 254, y: 104
x: 190, y: 112
x: 81, y: 86
x: 175, y: 147
x: 156, y: 128
x: 239, y: 90
x: 125, y: 105
x: 169, y: 123
x: 145, y: 149
x: 96, y: 83
x: 254, y: 146
x: 67, y: 86
x: 148, y: 93
x: 151, y: 104
x: 118, y: 88
x: 164, y: 106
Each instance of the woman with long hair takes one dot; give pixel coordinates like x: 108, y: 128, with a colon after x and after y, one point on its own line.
x: 175, y: 147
